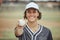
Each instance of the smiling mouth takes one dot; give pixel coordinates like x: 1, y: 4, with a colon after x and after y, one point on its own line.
x: 31, y: 17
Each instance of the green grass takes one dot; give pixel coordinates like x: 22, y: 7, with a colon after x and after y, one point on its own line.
x: 55, y: 32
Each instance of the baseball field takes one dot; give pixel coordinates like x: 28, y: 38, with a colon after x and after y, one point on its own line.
x: 9, y: 17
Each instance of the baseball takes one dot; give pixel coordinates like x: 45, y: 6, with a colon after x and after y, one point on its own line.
x: 22, y: 22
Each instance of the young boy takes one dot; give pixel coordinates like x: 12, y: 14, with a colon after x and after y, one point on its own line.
x: 32, y: 30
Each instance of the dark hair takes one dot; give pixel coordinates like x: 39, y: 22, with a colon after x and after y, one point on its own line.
x: 39, y: 17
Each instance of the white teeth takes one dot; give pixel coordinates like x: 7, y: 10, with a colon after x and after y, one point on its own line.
x: 31, y: 17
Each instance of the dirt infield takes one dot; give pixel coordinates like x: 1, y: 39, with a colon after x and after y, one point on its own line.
x: 11, y: 23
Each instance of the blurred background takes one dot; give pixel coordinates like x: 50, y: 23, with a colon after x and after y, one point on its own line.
x: 12, y: 10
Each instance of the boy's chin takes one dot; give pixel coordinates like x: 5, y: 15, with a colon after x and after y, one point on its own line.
x: 31, y: 20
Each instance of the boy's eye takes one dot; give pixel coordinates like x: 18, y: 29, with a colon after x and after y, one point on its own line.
x: 28, y: 12
x: 34, y: 11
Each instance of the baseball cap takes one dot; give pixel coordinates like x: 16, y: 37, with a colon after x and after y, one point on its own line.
x: 32, y: 5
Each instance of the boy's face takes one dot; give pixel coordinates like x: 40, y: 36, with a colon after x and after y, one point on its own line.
x: 32, y: 14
